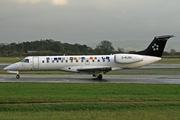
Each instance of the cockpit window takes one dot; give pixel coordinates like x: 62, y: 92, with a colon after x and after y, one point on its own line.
x: 25, y: 60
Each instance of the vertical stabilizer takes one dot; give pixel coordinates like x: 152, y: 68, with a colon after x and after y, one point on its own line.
x: 156, y: 47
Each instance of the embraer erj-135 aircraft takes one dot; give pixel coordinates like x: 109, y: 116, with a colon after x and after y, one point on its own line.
x: 93, y: 64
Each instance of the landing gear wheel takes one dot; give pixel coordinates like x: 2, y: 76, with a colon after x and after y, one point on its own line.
x: 17, y: 76
x: 94, y: 75
x: 99, y: 77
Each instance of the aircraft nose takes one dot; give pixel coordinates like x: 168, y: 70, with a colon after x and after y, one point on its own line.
x: 6, y: 68
x: 10, y: 67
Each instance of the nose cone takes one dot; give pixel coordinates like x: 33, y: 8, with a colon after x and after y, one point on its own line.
x: 10, y: 67
x: 6, y: 68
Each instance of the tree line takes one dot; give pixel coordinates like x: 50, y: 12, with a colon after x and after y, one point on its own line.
x: 52, y: 47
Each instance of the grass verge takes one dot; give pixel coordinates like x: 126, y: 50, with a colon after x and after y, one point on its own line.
x: 92, y: 111
x: 100, y: 101
x: 86, y: 92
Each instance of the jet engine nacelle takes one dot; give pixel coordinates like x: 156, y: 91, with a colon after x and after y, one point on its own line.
x: 127, y: 58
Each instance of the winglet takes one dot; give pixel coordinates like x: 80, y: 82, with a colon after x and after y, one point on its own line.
x: 156, y: 47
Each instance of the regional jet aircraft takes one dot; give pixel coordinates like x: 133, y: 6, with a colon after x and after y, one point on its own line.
x: 93, y: 64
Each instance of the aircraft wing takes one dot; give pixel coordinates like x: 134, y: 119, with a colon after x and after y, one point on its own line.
x: 95, y: 69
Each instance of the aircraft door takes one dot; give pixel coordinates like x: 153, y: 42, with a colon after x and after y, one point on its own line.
x: 35, y: 62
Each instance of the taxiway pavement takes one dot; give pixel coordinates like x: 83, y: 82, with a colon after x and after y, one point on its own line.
x: 148, y: 79
x: 157, y: 77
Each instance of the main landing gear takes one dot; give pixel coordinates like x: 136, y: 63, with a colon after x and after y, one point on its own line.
x: 99, y: 77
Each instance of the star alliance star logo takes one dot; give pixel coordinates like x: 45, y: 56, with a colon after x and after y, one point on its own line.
x: 155, y: 47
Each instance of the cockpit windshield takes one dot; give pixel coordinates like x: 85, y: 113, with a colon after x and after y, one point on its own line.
x: 25, y: 60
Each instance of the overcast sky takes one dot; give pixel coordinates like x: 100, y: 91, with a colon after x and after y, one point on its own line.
x: 88, y: 21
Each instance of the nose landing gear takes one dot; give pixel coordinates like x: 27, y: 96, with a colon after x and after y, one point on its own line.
x: 15, y: 72
x: 17, y: 76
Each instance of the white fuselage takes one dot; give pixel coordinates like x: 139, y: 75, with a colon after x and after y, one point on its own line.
x: 84, y: 62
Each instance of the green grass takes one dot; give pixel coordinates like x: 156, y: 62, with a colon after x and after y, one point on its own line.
x: 92, y: 111
x: 62, y: 92
x: 99, y: 101
x: 10, y: 59
x: 170, y: 60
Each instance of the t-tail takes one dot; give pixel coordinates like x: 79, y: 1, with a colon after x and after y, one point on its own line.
x: 156, y: 47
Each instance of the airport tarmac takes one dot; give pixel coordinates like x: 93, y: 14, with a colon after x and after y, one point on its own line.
x: 148, y: 79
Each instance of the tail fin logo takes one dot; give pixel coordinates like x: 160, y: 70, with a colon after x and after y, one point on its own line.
x: 155, y: 47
